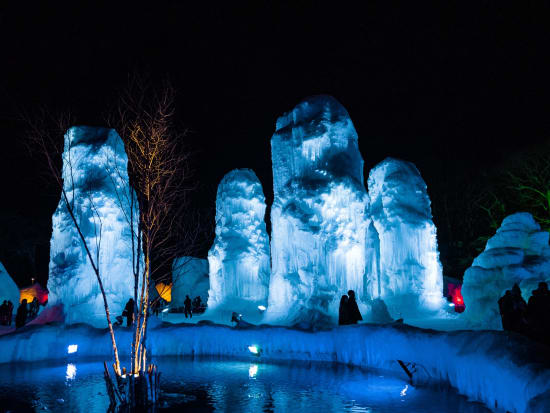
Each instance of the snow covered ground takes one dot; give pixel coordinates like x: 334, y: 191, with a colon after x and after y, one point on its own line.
x: 502, y: 370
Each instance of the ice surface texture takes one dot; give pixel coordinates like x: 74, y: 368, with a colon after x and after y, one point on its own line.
x: 488, y: 366
x: 8, y: 288
x: 189, y: 277
x: 517, y: 253
x: 239, y: 258
x: 410, y: 275
x: 95, y: 176
x: 320, y: 211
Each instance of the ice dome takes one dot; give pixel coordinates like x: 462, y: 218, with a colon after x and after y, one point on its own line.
x: 94, y: 176
x: 410, y: 273
x: 238, y: 260
x: 320, y: 212
x: 517, y: 253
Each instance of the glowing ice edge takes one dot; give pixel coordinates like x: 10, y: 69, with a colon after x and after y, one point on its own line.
x: 491, y: 367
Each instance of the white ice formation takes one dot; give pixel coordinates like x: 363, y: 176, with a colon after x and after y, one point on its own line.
x: 189, y: 277
x: 517, y: 253
x: 410, y: 274
x: 94, y: 176
x: 8, y: 288
x: 320, y: 212
x: 238, y: 261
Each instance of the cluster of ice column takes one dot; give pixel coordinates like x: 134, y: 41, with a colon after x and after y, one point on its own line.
x: 239, y: 258
x: 97, y: 187
x: 517, y: 253
x: 319, y: 214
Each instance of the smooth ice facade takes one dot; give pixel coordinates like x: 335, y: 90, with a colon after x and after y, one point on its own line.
x: 410, y: 274
x: 517, y: 253
x: 189, y: 277
x: 238, y: 261
x: 8, y: 288
x: 94, y: 171
x: 320, y: 212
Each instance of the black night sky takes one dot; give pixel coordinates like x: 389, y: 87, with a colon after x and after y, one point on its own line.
x: 454, y: 87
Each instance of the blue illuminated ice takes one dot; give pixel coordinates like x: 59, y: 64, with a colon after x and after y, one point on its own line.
x: 8, y: 288
x: 189, y: 277
x: 95, y: 179
x: 517, y: 253
x: 319, y: 215
x: 238, y: 260
x: 410, y: 273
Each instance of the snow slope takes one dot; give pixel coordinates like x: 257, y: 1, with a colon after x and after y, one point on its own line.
x: 496, y: 368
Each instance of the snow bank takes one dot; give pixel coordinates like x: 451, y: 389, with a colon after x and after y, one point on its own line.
x: 410, y: 275
x: 8, y: 289
x: 495, y: 368
x: 517, y: 253
x: 95, y: 179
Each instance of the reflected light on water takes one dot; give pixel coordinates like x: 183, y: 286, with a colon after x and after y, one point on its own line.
x: 71, y: 372
x: 252, y: 371
x: 404, y: 391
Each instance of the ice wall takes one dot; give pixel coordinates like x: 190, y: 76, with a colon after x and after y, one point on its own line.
x: 8, y: 289
x: 94, y: 172
x: 189, y: 277
x: 319, y: 215
x: 517, y: 253
x: 239, y: 258
x: 410, y: 276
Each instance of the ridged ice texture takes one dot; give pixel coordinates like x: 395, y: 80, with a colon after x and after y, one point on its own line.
x: 8, y: 289
x: 410, y: 276
x: 491, y: 367
x: 94, y: 169
x: 239, y: 258
x: 517, y: 253
x: 319, y: 215
x: 189, y: 277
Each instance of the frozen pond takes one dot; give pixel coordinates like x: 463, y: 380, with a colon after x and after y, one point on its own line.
x: 228, y: 386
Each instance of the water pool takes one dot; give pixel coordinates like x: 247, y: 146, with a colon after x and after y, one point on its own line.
x: 229, y: 386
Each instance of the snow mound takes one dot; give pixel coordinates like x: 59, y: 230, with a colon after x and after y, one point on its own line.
x: 517, y: 253
x: 238, y: 261
x: 189, y: 277
x: 410, y: 274
x: 319, y: 215
x: 496, y: 368
x: 8, y: 289
x: 95, y: 177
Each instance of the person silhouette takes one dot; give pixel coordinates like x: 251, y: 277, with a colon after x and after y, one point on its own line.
x: 354, y: 315
x: 21, y: 316
x: 187, y: 307
x: 343, y: 317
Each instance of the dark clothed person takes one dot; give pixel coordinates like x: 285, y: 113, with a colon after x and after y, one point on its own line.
x: 354, y: 315
x: 538, y: 313
x: 10, y: 312
x: 34, y: 307
x: 513, y: 310
x: 343, y: 318
x: 4, y: 313
x: 187, y: 307
x: 506, y: 309
x: 129, y: 312
x: 21, y: 316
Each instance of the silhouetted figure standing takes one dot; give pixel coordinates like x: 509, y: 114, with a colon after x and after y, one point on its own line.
x: 4, y: 313
x: 187, y: 307
x: 10, y: 312
x: 538, y: 313
x: 129, y: 312
x: 354, y: 315
x: 21, y: 317
x: 34, y: 307
x: 513, y: 310
x: 506, y: 308
x: 343, y: 317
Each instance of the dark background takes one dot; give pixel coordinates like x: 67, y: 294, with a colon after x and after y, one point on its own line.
x: 453, y: 87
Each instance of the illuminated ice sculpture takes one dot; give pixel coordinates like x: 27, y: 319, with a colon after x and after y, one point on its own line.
x: 410, y: 273
x: 239, y: 258
x: 320, y: 212
x: 94, y: 176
